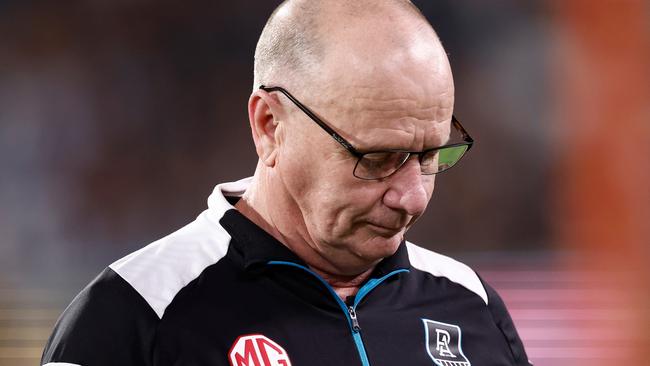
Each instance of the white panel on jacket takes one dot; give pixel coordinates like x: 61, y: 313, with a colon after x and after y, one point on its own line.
x: 161, y: 269
x: 442, y: 266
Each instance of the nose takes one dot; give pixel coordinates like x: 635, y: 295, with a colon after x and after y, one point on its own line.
x: 408, y: 189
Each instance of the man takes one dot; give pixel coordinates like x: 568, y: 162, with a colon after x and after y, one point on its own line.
x: 305, y: 263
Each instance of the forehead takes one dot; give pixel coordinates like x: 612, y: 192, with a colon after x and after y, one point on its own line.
x: 386, y: 88
x: 404, y: 115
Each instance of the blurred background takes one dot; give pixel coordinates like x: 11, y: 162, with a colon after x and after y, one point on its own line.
x: 117, y: 118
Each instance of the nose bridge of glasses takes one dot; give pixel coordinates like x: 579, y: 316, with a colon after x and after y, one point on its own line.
x: 407, y: 157
x: 404, y: 159
x: 420, y: 157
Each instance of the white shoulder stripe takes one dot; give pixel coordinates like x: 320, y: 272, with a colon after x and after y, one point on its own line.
x: 443, y: 266
x: 60, y: 364
x: 161, y: 269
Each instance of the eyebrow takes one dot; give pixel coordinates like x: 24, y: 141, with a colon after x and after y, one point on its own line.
x: 388, y: 146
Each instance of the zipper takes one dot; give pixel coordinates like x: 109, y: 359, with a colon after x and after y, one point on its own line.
x: 349, y: 311
x: 353, y: 317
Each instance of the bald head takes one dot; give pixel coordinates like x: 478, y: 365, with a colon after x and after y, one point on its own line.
x: 302, y: 35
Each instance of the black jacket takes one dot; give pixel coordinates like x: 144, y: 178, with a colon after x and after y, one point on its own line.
x: 221, y: 291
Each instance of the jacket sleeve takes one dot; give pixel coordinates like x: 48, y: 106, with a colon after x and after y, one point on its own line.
x: 108, y: 323
x: 504, y: 322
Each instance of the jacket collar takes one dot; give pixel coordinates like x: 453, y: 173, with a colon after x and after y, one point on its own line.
x: 256, y: 247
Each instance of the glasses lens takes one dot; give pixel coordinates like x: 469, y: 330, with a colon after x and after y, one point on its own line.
x: 429, y: 162
x: 379, y: 164
x: 446, y: 158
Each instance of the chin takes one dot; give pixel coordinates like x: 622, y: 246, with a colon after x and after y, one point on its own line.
x: 382, y: 247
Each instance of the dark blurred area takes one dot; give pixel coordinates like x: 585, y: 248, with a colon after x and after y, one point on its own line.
x: 118, y: 118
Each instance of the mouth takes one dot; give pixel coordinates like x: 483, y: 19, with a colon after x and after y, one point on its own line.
x: 386, y: 231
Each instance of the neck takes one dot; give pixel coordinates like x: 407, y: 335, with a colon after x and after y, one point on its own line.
x: 260, y: 205
x: 344, y: 286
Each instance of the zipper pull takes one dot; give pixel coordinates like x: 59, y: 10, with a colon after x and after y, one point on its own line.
x: 355, y: 322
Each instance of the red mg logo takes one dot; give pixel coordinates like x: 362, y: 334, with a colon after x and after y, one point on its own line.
x: 257, y: 350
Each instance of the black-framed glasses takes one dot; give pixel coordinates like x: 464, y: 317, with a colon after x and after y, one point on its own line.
x: 373, y: 165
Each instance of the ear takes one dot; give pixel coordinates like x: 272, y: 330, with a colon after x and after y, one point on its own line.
x: 263, y: 111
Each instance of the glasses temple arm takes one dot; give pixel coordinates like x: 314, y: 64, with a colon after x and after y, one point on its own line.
x: 314, y: 118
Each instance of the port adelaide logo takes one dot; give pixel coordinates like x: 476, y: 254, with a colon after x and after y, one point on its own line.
x: 443, y: 343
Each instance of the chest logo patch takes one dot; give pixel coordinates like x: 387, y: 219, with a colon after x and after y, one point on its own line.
x: 443, y: 343
x: 257, y: 350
